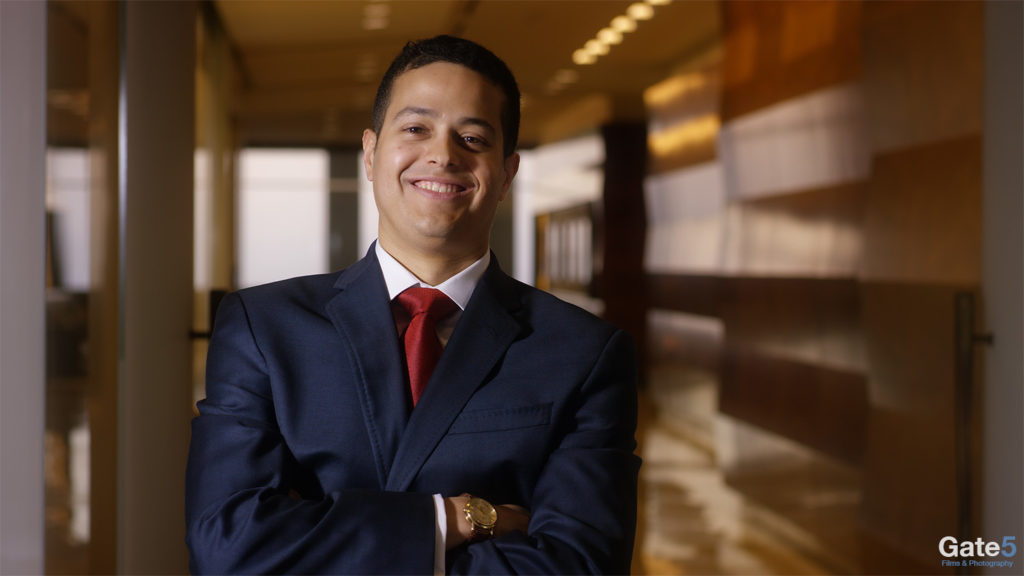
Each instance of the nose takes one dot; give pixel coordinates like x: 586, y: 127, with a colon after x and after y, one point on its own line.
x: 443, y: 150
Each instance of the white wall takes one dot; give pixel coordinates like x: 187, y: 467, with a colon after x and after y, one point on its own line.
x: 283, y: 214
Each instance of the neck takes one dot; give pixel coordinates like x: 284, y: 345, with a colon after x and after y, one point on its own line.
x: 432, y: 266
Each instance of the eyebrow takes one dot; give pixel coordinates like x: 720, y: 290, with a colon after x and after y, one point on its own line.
x: 430, y: 113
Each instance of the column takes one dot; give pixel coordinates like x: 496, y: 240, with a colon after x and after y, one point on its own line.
x: 623, y: 222
x: 156, y: 199
x: 22, y: 284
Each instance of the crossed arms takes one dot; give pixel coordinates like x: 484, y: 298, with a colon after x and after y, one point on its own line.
x: 271, y: 489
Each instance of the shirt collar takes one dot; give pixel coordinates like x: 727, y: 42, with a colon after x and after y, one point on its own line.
x: 459, y: 287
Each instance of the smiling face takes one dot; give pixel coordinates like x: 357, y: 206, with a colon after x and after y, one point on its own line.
x: 437, y: 165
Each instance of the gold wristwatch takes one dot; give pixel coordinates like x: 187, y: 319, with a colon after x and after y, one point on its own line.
x: 482, y: 517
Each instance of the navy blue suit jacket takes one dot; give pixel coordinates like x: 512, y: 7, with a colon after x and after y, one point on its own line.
x: 305, y: 457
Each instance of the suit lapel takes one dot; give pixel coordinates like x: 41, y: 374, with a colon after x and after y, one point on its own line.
x: 484, y: 332
x: 362, y: 315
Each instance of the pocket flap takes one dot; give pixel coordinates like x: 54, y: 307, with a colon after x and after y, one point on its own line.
x: 495, y: 419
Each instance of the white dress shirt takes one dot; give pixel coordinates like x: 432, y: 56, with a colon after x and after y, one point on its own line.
x: 459, y: 288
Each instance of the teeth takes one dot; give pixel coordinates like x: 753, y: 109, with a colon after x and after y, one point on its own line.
x: 437, y: 187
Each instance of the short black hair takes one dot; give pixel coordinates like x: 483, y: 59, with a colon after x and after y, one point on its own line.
x: 444, y: 48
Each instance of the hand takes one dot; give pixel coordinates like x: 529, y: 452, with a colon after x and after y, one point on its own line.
x: 510, y: 518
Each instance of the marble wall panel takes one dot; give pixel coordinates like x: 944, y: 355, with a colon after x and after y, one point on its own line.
x: 778, y: 50
x: 812, y: 141
x: 843, y: 218
x: 810, y: 234
x: 685, y: 210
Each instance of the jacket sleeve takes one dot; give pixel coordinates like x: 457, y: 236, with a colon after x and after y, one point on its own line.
x: 243, y: 513
x: 584, y: 504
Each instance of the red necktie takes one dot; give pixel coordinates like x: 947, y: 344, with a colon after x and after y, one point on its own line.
x: 422, y: 348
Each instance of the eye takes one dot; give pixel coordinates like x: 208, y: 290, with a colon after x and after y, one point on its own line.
x: 414, y: 129
x: 474, y: 141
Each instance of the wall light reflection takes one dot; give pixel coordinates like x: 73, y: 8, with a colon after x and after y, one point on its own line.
x: 684, y: 135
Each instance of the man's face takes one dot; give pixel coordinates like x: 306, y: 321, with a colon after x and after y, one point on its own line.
x: 437, y: 166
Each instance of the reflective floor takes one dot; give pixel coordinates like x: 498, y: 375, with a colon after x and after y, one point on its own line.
x: 690, y: 521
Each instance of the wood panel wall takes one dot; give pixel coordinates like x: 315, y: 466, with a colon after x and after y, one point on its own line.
x: 825, y: 237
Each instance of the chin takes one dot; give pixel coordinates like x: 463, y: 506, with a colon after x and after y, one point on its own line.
x: 431, y: 233
x: 435, y: 228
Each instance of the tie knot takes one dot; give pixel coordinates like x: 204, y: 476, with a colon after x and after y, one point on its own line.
x: 430, y: 301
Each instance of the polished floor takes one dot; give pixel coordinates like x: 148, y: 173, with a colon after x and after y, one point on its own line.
x: 690, y: 521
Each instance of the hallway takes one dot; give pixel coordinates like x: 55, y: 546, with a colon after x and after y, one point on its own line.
x: 808, y: 214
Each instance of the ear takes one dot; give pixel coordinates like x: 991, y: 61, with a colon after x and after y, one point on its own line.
x: 369, y: 147
x: 511, y: 167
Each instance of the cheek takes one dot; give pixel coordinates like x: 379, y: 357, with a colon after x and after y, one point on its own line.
x: 399, y: 158
x: 496, y: 185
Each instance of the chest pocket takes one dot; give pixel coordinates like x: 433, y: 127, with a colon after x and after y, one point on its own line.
x: 501, y: 419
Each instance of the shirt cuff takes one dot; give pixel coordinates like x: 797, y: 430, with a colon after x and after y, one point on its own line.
x: 440, y: 534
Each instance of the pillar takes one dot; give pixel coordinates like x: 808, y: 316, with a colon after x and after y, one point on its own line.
x: 623, y: 223
x: 156, y: 200
x: 22, y: 284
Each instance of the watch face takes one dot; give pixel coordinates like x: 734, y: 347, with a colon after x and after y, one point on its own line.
x: 482, y: 512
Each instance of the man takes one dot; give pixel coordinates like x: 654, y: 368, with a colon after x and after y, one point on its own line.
x: 312, y: 454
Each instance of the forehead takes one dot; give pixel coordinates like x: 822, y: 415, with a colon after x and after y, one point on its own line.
x: 448, y: 88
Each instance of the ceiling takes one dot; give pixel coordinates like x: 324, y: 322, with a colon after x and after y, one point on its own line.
x: 309, y: 68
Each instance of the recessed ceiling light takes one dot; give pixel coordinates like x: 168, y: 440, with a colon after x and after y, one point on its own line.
x: 376, y: 16
x: 596, y: 47
x: 612, y: 34
x: 624, y: 24
x: 640, y: 11
x: 376, y: 10
x: 609, y: 36
x: 582, y: 57
x: 566, y: 76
